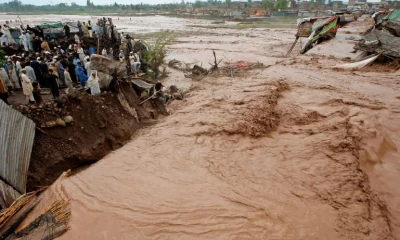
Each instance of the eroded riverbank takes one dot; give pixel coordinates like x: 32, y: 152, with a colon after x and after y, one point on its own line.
x: 297, y: 150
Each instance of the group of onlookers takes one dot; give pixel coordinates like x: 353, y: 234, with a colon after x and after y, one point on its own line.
x: 46, y: 64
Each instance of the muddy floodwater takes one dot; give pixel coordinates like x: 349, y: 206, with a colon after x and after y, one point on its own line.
x: 297, y: 150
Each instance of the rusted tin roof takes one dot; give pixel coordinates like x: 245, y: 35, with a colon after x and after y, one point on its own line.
x: 17, y: 133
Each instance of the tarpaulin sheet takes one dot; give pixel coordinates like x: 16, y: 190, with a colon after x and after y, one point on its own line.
x: 50, y: 25
x: 142, y: 84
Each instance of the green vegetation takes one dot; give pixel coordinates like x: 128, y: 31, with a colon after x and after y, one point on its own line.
x: 267, y: 4
x: 67, y: 7
x: 312, y: 8
x: 155, y: 56
x: 281, y: 4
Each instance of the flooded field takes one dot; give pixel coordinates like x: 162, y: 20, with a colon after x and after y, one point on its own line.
x: 297, y: 150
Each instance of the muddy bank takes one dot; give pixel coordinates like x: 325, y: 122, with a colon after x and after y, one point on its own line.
x: 100, y: 125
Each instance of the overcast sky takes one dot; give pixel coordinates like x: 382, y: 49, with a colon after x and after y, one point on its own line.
x: 100, y: 2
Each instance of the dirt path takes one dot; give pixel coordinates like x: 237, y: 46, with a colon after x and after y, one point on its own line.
x: 295, y: 151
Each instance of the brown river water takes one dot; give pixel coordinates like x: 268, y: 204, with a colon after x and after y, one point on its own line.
x: 297, y: 150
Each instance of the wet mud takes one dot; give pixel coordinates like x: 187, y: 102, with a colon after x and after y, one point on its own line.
x: 297, y: 150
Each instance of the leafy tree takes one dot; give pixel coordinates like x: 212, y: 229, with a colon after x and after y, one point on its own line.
x: 281, y: 4
x: 198, y: 4
x: 249, y: 1
x: 312, y: 7
x: 155, y: 56
x: 62, y: 5
x: 267, y: 4
x: 229, y: 3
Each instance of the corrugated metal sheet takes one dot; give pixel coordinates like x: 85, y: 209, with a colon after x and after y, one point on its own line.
x: 17, y: 133
x: 7, y: 195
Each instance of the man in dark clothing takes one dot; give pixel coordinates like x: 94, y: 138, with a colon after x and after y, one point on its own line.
x: 37, y: 93
x: 71, y: 69
x: 80, y: 29
x: 54, y: 84
x: 159, y: 86
x: 44, y: 71
x: 36, y: 44
x: 36, y: 67
x: 67, y: 31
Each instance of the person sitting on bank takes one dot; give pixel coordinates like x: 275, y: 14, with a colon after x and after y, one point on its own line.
x: 121, y: 56
x: 135, y: 63
x: 37, y: 93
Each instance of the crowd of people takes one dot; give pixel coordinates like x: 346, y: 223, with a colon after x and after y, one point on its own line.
x: 45, y: 64
x: 52, y: 69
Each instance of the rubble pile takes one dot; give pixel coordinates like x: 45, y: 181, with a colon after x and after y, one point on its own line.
x: 48, y: 114
x: 384, y: 37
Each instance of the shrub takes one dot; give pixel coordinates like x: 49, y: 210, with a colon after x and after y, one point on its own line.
x: 156, y: 54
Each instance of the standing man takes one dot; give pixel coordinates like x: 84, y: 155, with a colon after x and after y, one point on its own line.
x: 60, y: 70
x: 67, y: 31
x: 28, y: 40
x: 12, y: 74
x: 88, y: 67
x: 24, y: 42
x: 81, y: 74
x: 89, y: 26
x: 29, y: 72
x: 27, y: 87
x: 77, y: 41
x: 18, y: 68
x: 81, y: 53
x: 54, y: 84
x: 85, y: 29
x: 36, y: 68
x: 3, y: 37
x: 71, y: 69
x: 44, y: 71
x: 68, y: 80
x: 80, y: 29
x: 45, y: 46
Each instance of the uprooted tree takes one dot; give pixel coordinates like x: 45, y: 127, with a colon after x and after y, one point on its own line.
x: 156, y: 54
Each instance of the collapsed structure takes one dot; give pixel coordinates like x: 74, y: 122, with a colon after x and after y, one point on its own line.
x: 384, y: 37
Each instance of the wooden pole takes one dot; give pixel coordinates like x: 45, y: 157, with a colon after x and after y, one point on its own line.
x: 98, y: 45
x: 290, y: 50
